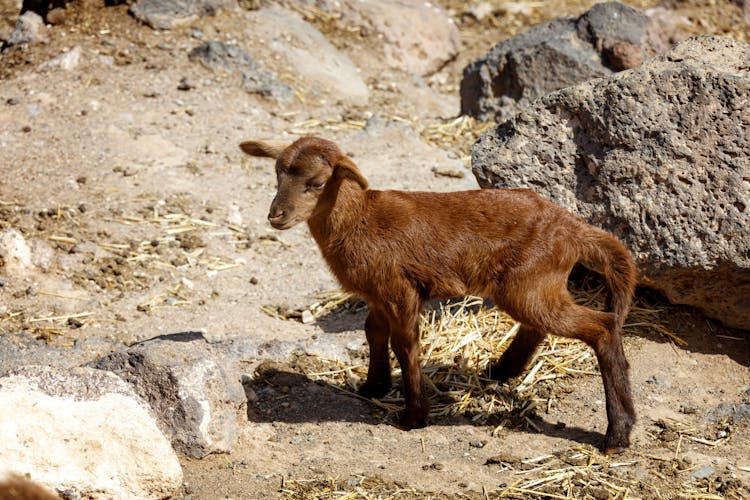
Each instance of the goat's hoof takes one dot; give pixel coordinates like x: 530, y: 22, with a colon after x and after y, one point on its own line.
x: 407, y: 424
x: 374, y: 390
x: 613, y: 446
x: 498, y: 374
x: 613, y: 451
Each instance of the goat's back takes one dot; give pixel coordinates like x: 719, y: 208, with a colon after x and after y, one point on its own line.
x: 452, y: 244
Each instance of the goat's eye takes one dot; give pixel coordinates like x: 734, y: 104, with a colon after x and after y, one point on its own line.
x: 315, y: 184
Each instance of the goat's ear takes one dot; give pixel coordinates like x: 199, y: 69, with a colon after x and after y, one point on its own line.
x: 266, y: 149
x: 345, y: 167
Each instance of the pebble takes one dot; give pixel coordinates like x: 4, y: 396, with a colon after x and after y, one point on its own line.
x: 185, y: 84
x: 2, y: 282
x: 702, y: 472
x: 12, y: 101
x: 307, y: 317
x: 448, y: 172
x: 658, y: 380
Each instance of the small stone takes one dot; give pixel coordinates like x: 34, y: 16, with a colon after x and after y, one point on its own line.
x: 448, y: 172
x: 688, y: 409
x: 702, y: 472
x: 12, y: 101
x: 185, y: 85
x: 30, y: 28
x: 56, y: 16
x: 2, y: 282
x: 307, y: 317
x: 26, y: 129
x: 253, y: 280
x: 624, y: 56
x: 434, y: 466
x: 478, y: 444
x: 75, y: 323
x: 81, y: 180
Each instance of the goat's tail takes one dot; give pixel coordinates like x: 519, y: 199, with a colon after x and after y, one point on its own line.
x: 609, y: 256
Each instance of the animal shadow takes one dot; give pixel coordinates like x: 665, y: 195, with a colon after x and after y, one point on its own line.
x: 277, y: 393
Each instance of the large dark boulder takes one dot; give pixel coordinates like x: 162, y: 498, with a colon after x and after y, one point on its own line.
x: 609, y: 37
x: 660, y: 156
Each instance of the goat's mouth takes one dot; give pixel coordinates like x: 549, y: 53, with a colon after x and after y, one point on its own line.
x: 282, y: 224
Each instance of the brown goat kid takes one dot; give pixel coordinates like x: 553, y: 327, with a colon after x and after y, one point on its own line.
x: 399, y: 249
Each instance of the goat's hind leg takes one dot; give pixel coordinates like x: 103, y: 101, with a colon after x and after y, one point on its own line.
x: 620, y: 409
x: 516, y: 357
x: 599, y: 330
x: 377, y: 331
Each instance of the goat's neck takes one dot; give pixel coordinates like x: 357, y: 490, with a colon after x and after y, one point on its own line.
x: 338, y: 212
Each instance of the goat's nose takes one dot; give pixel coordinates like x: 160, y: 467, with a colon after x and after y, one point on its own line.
x: 275, y: 214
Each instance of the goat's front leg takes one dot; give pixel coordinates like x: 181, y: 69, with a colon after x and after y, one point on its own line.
x: 405, y: 344
x: 378, y: 333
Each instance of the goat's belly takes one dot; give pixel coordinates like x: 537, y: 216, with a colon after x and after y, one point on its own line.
x: 448, y: 290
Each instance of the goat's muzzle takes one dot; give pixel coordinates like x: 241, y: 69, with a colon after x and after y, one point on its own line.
x: 279, y: 220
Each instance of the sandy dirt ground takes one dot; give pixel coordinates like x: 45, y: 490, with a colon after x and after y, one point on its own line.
x: 146, y: 219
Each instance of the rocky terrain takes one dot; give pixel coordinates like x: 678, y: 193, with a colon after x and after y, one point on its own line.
x: 159, y: 339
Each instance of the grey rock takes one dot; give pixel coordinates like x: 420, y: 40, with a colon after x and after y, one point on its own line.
x: 659, y: 156
x: 736, y: 412
x: 702, y: 472
x: 255, y: 79
x: 167, y: 14
x: 195, y: 400
x: 29, y: 29
x: 551, y: 56
x: 85, y: 432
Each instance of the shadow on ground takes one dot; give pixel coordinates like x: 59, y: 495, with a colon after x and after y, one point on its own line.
x: 278, y: 394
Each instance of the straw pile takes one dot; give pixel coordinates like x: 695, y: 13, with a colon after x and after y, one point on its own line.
x: 460, y: 340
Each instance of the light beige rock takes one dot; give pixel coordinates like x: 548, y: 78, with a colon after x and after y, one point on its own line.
x: 416, y: 36
x: 314, y: 65
x: 83, y: 430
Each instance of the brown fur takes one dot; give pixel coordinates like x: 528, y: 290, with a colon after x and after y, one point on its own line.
x: 399, y: 249
x: 16, y: 487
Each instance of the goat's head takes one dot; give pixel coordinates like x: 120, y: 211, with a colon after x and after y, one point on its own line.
x: 305, y: 169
